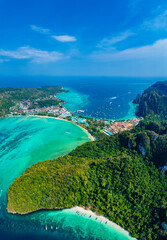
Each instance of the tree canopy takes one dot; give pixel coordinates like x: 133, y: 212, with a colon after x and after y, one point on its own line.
x: 107, y: 176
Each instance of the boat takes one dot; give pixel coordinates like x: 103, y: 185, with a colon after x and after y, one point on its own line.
x: 80, y: 111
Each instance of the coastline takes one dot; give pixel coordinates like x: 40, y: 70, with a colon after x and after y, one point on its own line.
x: 88, y: 214
x: 103, y: 220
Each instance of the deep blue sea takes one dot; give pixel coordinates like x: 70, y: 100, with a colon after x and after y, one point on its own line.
x: 99, y: 97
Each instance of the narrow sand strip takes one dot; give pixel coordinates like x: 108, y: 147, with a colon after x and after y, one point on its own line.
x: 104, y: 220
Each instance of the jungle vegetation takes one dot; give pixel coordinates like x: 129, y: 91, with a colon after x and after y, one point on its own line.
x: 111, y: 176
x: 10, y: 96
x: 153, y: 102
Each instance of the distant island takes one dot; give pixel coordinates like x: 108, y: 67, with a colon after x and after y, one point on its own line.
x: 122, y: 176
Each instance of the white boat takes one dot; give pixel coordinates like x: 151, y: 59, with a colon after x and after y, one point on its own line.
x: 80, y: 111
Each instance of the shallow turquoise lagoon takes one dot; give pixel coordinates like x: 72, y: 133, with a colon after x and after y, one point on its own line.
x: 28, y: 140
x: 23, y: 142
x: 74, y: 100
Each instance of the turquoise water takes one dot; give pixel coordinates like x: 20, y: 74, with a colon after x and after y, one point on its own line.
x: 74, y: 100
x: 28, y: 140
x: 23, y: 142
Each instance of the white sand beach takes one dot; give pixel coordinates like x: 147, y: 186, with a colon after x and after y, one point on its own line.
x: 89, y: 214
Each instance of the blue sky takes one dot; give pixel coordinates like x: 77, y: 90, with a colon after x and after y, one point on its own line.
x: 83, y: 38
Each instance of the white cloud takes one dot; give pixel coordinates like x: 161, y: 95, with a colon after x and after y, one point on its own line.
x: 157, y: 50
x: 40, y: 29
x: 65, y: 38
x: 108, y: 42
x: 35, y: 55
x: 61, y: 38
x: 157, y: 23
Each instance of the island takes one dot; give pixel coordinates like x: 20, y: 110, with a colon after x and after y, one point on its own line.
x: 122, y: 176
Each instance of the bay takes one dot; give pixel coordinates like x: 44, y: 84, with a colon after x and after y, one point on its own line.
x: 99, y: 97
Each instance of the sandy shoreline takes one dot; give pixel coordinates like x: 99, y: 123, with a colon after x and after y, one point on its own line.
x: 89, y: 214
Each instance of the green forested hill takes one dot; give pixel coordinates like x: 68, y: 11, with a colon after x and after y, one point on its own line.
x: 153, y: 102
x: 9, y: 96
x: 111, y: 176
